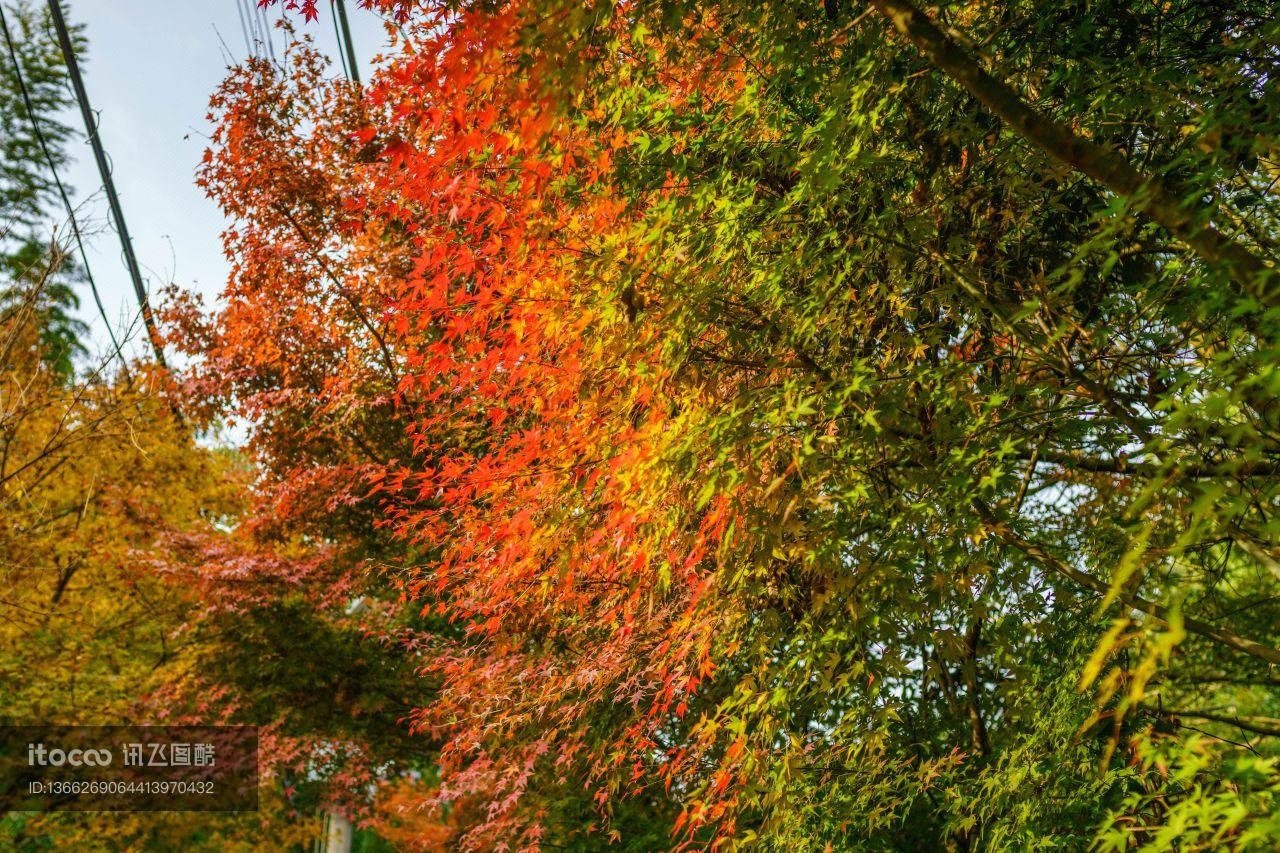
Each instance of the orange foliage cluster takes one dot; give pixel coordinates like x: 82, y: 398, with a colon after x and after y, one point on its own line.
x: 423, y: 325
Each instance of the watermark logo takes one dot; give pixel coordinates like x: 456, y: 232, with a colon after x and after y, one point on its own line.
x: 38, y: 755
x: 128, y: 768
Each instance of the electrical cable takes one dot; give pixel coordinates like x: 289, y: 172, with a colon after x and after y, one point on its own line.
x: 244, y: 28
x: 108, y: 184
x: 266, y: 30
x: 353, y: 68
x: 337, y: 37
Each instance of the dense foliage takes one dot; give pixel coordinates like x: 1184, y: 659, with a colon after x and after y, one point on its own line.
x: 818, y: 425
x: 33, y: 138
x: 96, y: 477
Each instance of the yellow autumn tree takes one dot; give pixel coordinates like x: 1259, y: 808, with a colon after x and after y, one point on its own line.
x: 95, y: 470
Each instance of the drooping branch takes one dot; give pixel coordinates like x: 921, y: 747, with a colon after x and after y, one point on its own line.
x: 1266, y: 726
x: 1250, y: 468
x: 1150, y: 195
x: 1158, y: 611
x: 388, y: 360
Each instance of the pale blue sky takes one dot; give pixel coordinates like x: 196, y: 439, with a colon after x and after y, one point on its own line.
x: 151, y: 67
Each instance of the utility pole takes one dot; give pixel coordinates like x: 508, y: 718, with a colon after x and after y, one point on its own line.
x: 100, y: 155
x: 352, y: 68
x: 338, y: 834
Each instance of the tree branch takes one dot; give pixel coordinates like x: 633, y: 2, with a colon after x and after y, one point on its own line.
x: 1134, y: 602
x: 1148, y: 193
x: 388, y: 359
x: 1268, y: 726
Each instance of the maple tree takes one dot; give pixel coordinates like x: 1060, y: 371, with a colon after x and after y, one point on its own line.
x: 95, y: 471
x: 771, y: 417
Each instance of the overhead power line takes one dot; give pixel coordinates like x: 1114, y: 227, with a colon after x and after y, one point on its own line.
x: 244, y: 28
x: 337, y: 37
x: 266, y: 31
x: 57, y: 180
x: 353, y: 70
x: 108, y: 185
